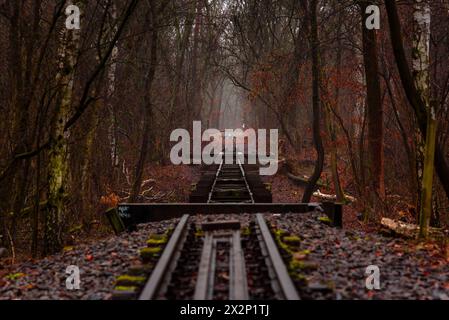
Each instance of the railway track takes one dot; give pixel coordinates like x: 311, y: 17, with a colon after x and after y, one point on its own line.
x: 220, y: 264
x: 217, y: 260
x: 230, y: 185
x: 221, y: 260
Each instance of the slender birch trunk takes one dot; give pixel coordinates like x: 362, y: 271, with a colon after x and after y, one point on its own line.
x: 58, y: 151
x: 421, y: 63
x: 111, y: 75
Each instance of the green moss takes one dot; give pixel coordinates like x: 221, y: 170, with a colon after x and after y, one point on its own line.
x: 325, y: 219
x: 298, y: 276
x: 285, y: 247
x: 157, y: 240
x: 199, y: 233
x: 128, y: 280
x: 246, y: 231
x: 148, y: 253
x: 303, y: 252
x: 280, y: 233
x: 15, y: 276
x: 156, y: 243
x: 154, y: 250
x: 295, y: 264
x: 291, y: 240
x: 125, y: 288
x: 279, y: 236
x: 156, y: 236
x: 302, y: 265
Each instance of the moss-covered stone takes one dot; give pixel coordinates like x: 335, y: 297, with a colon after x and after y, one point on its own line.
x: 156, y: 242
x: 199, y: 233
x: 130, y: 281
x: 293, y: 241
x: 246, y: 231
x: 280, y: 233
x: 325, y: 219
x: 125, y: 289
x: 302, y: 265
x: 157, y: 236
x: 149, y: 253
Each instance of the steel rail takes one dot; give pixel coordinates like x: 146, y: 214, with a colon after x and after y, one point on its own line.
x: 246, y: 181
x: 238, y: 286
x: 204, y: 282
x: 281, y: 282
x: 215, y: 182
x: 161, y: 275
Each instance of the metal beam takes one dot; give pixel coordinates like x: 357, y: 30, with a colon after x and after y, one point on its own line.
x: 133, y: 214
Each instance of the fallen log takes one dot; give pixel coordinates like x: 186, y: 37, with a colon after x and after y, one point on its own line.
x: 332, y: 197
x: 407, y: 230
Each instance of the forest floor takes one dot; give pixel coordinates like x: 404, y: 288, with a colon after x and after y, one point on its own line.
x: 409, y: 270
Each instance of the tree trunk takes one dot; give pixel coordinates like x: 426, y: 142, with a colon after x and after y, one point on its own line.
x: 314, y: 43
x: 57, y: 163
x: 427, y: 184
x: 147, y: 112
x: 421, y: 64
x: 111, y: 76
x: 18, y: 68
x: 175, y: 105
x: 412, y: 93
x: 408, y: 150
x: 375, y: 110
x: 340, y: 196
x: 194, y: 107
x: 86, y: 173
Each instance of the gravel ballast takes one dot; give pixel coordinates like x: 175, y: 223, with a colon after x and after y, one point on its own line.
x: 407, y: 270
x: 99, y: 264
